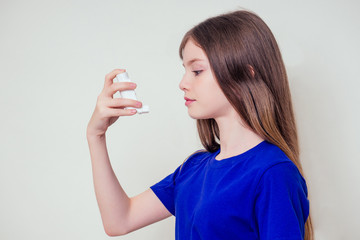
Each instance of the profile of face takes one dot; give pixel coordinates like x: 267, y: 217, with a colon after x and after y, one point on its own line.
x: 202, y: 93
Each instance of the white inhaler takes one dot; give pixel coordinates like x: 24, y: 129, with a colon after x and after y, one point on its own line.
x: 130, y: 94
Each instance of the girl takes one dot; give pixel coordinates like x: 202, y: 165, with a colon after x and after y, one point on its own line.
x: 247, y: 183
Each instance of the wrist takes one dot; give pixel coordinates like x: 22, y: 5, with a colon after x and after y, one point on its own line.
x: 93, y: 135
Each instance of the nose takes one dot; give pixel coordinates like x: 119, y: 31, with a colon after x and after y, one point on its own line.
x: 184, y: 84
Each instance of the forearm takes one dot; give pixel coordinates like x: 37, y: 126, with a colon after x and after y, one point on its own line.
x: 112, y: 200
x: 119, y: 214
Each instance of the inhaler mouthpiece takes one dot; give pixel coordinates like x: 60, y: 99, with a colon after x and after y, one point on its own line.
x: 130, y: 94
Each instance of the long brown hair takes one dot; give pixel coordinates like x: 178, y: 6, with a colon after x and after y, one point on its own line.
x: 247, y: 64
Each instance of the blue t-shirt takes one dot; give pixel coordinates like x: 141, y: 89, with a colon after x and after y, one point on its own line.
x: 259, y: 194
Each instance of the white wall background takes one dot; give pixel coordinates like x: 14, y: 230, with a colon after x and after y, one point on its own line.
x: 53, y: 59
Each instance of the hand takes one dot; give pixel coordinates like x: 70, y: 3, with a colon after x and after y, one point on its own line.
x: 109, y: 109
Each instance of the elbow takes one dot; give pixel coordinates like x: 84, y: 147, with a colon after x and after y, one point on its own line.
x: 115, y: 232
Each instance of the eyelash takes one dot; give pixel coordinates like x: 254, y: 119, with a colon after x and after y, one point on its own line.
x: 197, y: 72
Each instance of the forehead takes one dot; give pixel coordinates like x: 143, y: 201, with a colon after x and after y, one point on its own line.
x: 192, y: 51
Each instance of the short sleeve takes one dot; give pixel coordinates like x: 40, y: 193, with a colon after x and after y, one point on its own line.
x: 165, y: 191
x: 281, y: 204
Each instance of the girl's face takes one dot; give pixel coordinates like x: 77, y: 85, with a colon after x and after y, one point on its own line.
x: 203, y: 95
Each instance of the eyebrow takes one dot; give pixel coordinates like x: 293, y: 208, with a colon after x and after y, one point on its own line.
x: 192, y: 61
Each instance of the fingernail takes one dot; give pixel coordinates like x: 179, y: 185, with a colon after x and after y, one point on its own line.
x: 138, y: 104
x: 133, y: 111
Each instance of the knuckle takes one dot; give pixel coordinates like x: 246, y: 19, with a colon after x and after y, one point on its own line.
x: 118, y: 87
x: 98, y: 103
x: 100, y: 97
x: 118, y: 101
x: 135, y: 103
x: 129, y: 102
x: 112, y: 87
x: 115, y: 87
x: 107, y: 76
x: 101, y: 106
x: 114, y: 71
x: 119, y: 112
x: 102, y: 112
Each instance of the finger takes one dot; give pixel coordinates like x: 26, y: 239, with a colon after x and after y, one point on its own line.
x: 122, y: 112
x: 111, y: 75
x: 122, y: 86
x: 124, y: 102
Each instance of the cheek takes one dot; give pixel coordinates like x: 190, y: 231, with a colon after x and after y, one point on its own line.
x: 211, y: 101
x: 218, y: 100
x: 215, y: 95
x: 212, y: 104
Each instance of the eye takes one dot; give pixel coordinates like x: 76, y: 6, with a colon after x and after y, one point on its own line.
x: 197, y: 72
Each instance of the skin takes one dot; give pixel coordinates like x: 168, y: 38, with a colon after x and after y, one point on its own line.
x: 200, y: 84
x: 122, y: 214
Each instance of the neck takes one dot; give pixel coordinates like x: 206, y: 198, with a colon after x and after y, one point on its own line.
x: 235, y: 137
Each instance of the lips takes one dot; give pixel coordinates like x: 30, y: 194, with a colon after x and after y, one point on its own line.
x: 188, y: 101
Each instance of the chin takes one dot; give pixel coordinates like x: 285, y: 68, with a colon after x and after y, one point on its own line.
x: 198, y: 115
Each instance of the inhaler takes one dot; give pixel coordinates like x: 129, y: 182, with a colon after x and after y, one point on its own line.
x: 130, y: 94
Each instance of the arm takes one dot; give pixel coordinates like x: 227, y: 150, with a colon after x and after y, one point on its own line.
x: 120, y: 214
x: 281, y: 205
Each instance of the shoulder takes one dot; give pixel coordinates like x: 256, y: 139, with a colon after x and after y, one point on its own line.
x: 267, y: 156
x: 285, y: 170
x: 279, y: 164
x: 282, y: 178
x: 272, y: 165
x: 197, y: 157
x: 195, y: 160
